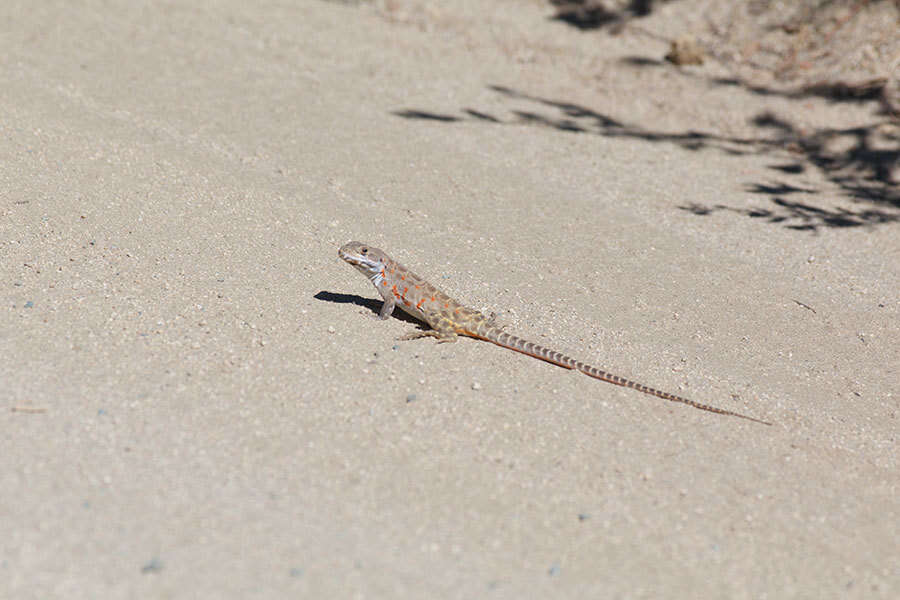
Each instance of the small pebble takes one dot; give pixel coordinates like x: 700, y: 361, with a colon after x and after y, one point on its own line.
x: 330, y: 329
x: 411, y: 398
x: 554, y: 571
x: 476, y: 386
x: 583, y: 516
x: 685, y: 51
x: 29, y: 304
x: 154, y: 566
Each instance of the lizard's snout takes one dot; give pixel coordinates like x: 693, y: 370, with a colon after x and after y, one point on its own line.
x: 349, y: 258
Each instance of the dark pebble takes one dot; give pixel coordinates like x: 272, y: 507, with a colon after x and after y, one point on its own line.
x: 154, y: 566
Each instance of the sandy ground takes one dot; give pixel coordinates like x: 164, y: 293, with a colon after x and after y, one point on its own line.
x: 198, y: 403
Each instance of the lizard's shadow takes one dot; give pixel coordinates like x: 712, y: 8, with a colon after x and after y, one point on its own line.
x: 369, y: 303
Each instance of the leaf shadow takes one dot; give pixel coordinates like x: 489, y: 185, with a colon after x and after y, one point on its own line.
x: 861, y: 162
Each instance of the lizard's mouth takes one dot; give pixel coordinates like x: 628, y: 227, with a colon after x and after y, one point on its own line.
x: 348, y: 257
x: 356, y: 261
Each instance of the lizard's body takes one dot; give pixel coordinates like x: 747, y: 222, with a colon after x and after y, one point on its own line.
x: 448, y: 318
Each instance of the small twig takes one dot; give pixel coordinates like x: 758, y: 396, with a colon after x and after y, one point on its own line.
x: 805, y: 305
x: 28, y: 409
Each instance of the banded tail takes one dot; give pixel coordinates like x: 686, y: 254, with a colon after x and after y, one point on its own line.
x: 501, y: 338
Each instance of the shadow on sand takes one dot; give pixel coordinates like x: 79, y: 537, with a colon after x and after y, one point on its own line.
x: 860, y: 161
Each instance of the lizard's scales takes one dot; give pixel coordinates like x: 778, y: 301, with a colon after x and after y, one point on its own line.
x: 448, y: 318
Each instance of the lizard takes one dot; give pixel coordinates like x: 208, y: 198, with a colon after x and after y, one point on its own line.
x: 449, y: 319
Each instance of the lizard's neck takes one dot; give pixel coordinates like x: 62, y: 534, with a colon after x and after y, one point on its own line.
x: 377, y: 278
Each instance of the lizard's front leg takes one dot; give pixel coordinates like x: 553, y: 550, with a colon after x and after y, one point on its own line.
x: 387, y: 308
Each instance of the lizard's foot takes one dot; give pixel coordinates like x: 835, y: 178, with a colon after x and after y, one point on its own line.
x: 416, y: 334
x: 441, y: 337
x: 494, y: 321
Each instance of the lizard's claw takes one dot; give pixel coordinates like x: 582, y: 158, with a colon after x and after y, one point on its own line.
x: 494, y: 321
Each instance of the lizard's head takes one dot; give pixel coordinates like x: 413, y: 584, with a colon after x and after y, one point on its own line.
x: 368, y: 260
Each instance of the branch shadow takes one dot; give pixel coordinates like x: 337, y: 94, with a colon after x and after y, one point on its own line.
x: 835, y: 91
x: 800, y: 216
x: 588, y: 15
x: 860, y: 161
x: 868, y: 90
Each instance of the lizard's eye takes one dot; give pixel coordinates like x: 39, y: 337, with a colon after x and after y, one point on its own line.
x: 363, y: 250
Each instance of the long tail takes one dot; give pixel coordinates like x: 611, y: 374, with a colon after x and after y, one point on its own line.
x: 501, y: 338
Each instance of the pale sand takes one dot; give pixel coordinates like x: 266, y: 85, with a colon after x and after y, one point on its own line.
x: 207, y: 409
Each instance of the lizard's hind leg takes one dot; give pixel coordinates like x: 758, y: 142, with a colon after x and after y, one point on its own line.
x: 494, y: 321
x: 441, y: 329
x: 441, y: 336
